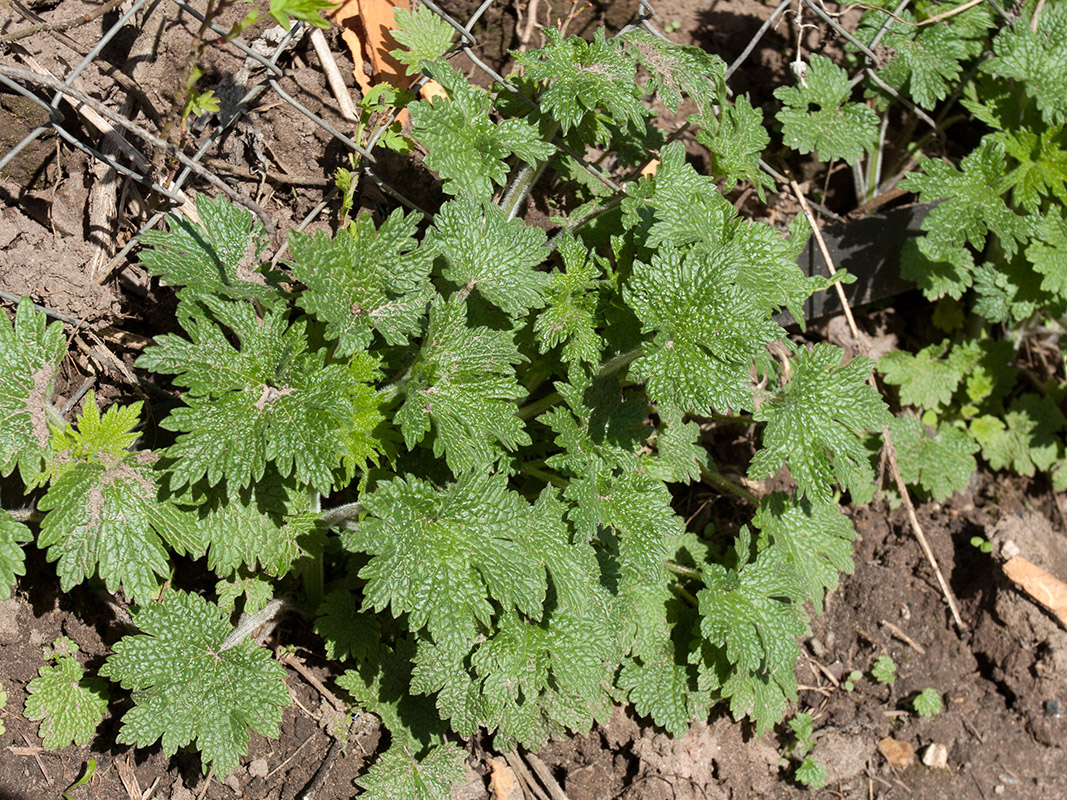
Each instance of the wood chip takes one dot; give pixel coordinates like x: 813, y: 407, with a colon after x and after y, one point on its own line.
x: 503, y: 785
x: 1046, y: 589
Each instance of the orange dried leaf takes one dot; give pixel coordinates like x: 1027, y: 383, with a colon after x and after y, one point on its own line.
x: 365, y: 26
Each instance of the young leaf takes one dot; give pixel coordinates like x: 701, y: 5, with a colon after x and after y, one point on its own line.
x: 1025, y: 438
x: 816, y: 116
x: 811, y: 773
x: 736, y: 140
x: 972, y: 204
x: 266, y: 399
x: 707, y: 333
x: 534, y: 679
x: 440, y: 556
x: 569, y: 315
x: 257, y: 592
x: 1048, y: 253
x: 927, y: 703
x: 399, y: 776
x: 685, y: 209
x: 815, y: 538
x: 266, y: 527
x: 486, y: 252
x: 681, y: 455
x: 884, y: 670
x: 104, y: 514
x: 423, y: 34
x: 345, y: 630
x: 750, y: 620
x: 1040, y: 170
x: 220, y: 255
x: 659, y: 688
x: 940, y: 461
x: 463, y: 381
x: 582, y: 78
x: 1036, y: 59
x: 303, y: 10
x: 12, y: 557
x: 926, y: 380
x: 675, y: 69
x: 30, y: 352
x: 465, y: 147
x: 815, y: 424
x: 186, y: 687
x: 71, y: 705
x: 927, y: 60
x: 754, y: 612
x: 364, y: 280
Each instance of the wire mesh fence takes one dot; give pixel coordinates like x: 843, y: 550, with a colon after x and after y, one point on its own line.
x: 129, y: 150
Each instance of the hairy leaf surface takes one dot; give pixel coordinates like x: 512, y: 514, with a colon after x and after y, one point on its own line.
x: 269, y: 398
x: 186, y: 687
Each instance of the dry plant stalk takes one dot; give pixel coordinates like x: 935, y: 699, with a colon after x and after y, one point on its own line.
x: 889, y: 448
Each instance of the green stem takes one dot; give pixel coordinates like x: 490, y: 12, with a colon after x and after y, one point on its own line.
x: 524, y: 182
x: 312, y: 569
x: 685, y: 594
x: 535, y: 408
x: 685, y: 572
x: 717, y: 481
x: 540, y: 474
x: 609, y: 367
x: 332, y: 517
x: 618, y: 363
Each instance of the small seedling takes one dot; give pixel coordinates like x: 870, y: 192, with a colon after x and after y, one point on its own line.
x: 884, y: 670
x: 927, y: 703
x: 87, y: 775
x: 851, y: 680
x: 982, y: 544
x: 810, y: 772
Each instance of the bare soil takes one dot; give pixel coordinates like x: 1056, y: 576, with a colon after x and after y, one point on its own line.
x: 1002, y: 677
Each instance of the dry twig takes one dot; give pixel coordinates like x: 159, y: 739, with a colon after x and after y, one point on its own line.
x: 894, y: 468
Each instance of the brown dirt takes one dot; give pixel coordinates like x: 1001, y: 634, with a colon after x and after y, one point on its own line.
x: 1002, y: 679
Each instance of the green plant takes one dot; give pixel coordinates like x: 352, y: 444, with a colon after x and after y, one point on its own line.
x: 87, y: 775
x: 494, y: 420
x: 982, y: 544
x: 70, y: 705
x: 809, y: 772
x: 849, y: 684
x: 927, y: 703
x: 884, y: 670
x: 993, y: 248
x: 452, y: 440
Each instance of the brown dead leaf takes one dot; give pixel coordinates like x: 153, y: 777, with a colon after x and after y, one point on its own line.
x: 365, y: 26
x: 897, y: 753
x: 503, y: 785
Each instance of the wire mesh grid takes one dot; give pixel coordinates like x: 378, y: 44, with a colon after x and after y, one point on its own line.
x: 129, y: 147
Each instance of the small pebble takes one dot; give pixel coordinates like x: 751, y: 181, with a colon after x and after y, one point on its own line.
x: 259, y: 768
x: 998, y: 789
x: 935, y: 756
x: 233, y: 783
x: 1054, y: 708
x: 1005, y: 778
